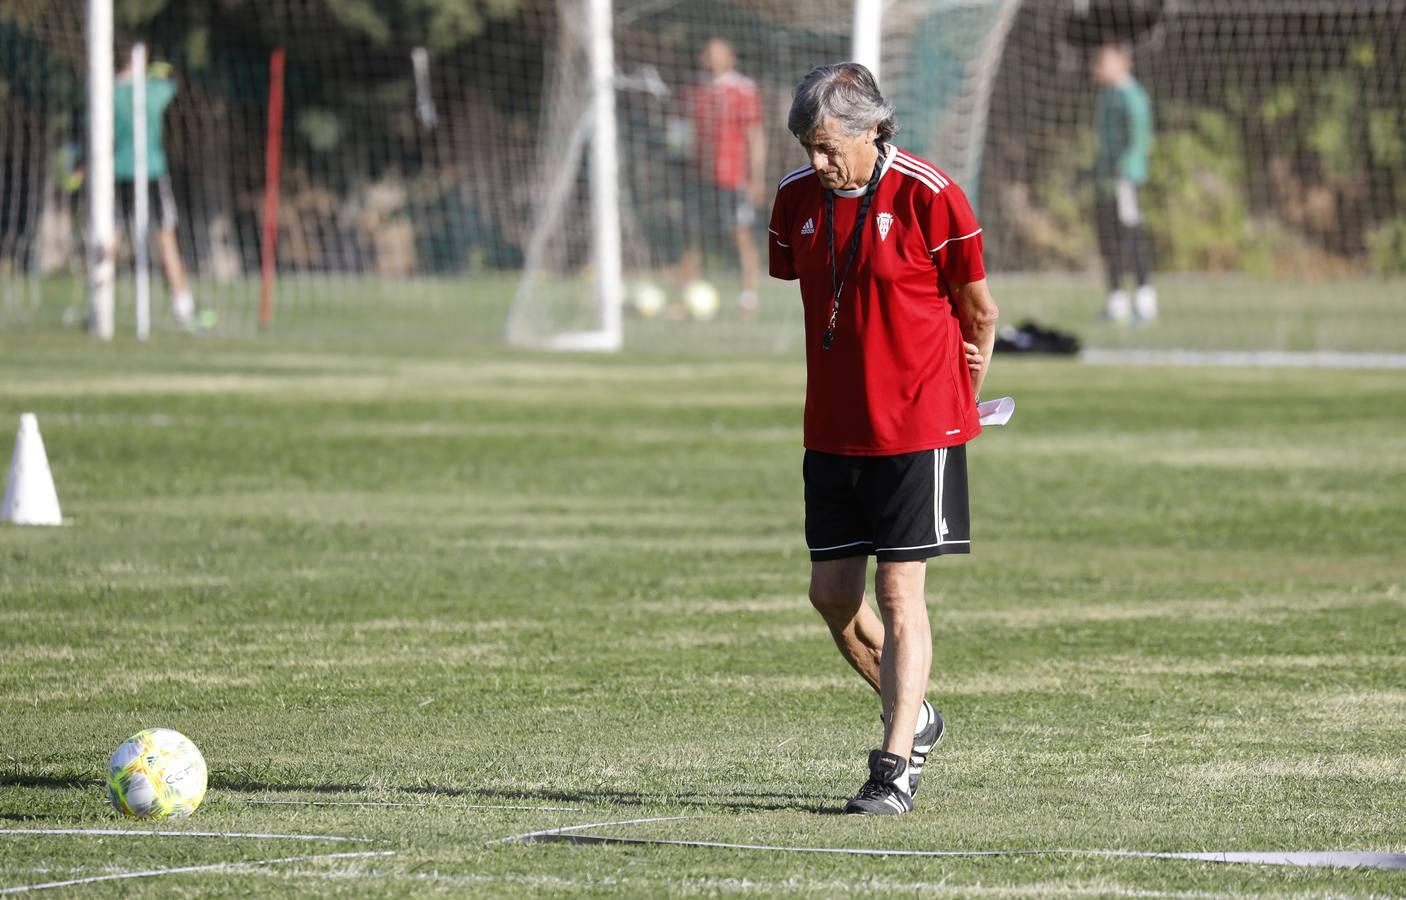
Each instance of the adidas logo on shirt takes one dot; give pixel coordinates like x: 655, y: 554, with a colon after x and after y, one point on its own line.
x: 808, y: 227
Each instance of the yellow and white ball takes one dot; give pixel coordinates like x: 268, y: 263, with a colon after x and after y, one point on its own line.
x: 156, y: 774
x: 702, y: 301
x: 649, y: 300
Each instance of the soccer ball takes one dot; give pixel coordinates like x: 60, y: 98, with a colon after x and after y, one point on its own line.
x: 156, y: 774
x: 701, y: 298
x: 649, y: 300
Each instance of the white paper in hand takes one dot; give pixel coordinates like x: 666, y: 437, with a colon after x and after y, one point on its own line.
x: 996, y: 412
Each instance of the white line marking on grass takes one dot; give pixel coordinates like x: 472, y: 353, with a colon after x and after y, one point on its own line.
x: 133, y: 832
x: 184, y: 870
x: 1320, y: 359
x: 563, y: 832
x: 415, y: 805
x: 1344, y: 859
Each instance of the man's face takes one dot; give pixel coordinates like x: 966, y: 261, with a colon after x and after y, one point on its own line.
x: 1110, y: 65
x: 840, y: 159
x: 717, y: 57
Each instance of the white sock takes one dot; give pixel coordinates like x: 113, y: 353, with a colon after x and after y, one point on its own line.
x: 924, y: 719
x: 1145, y: 302
x: 901, y: 782
x: 1119, y: 306
x: 183, y: 305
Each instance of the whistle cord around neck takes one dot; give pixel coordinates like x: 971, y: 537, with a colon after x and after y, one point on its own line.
x: 837, y: 276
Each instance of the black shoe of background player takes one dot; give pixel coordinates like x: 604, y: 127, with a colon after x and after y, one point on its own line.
x: 886, y: 791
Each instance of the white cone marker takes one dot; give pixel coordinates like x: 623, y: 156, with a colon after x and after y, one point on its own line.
x: 30, y: 498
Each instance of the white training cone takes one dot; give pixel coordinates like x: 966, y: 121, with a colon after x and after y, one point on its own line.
x: 30, y: 498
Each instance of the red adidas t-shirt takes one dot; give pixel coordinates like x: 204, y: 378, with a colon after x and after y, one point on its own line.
x: 723, y: 109
x: 896, y: 379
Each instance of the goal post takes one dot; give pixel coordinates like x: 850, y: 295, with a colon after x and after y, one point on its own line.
x: 102, y: 217
x: 607, y: 287
x: 141, y: 214
x: 868, y: 34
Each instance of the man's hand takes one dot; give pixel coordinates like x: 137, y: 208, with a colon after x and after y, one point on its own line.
x: 975, y: 361
x: 976, y: 314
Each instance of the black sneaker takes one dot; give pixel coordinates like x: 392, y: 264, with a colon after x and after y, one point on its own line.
x: 923, y: 742
x: 881, y: 794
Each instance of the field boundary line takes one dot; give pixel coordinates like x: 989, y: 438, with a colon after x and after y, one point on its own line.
x: 415, y: 805
x: 565, y: 832
x: 132, y: 832
x: 1345, y: 859
x: 1247, y: 359
x: 185, y: 870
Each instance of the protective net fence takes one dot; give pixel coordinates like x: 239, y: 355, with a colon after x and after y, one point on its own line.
x: 434, y: 179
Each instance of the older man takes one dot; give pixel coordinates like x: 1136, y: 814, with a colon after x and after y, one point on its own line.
x: 888, y: 255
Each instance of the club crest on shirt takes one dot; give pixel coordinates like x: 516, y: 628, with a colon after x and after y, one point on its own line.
x: 884, y: 220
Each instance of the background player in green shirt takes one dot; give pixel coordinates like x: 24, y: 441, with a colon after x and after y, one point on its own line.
x: 1123, y: 130
x: 160, y: 90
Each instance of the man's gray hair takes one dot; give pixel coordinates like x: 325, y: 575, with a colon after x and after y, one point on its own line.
x: 848, y: 93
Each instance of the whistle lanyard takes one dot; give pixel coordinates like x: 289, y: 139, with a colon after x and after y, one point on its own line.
x: 837, y: 276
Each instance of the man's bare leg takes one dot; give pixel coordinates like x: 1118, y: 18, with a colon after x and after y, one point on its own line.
x: 837, y: 593
x: 182, y: 304
x: 750, y: 261
x: 906, y: 657
x: 893, y: 654
x: 690, y: 270
x: 171, y: 261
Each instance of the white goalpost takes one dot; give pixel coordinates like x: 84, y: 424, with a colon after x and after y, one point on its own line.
x: 605, y: 191
x: 868, y: 34
x: 141, y: 212
x: 102, y: 223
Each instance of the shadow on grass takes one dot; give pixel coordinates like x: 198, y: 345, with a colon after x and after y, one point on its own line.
x: 50, y: 781
x: 767, y: 801
x: 26, y: 817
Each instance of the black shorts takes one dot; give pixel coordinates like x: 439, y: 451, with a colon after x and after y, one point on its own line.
x: 713, y: 214
x: 161, y: 205
x: 899, y: 508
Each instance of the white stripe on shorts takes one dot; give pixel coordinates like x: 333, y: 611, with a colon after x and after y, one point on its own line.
x: 838, y: 546
x: 920, y: 546
x: 939, y: 466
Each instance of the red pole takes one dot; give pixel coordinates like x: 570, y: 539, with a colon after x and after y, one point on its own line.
x: 273, y: 160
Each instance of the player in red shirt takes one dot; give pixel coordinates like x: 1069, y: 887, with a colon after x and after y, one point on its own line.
x: 888, y: 254
x: 729, y: 165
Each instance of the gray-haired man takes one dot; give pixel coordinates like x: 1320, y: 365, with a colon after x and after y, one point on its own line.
x: 888, y: 255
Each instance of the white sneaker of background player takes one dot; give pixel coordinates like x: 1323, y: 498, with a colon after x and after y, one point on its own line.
x: 1145, y: 303
x: 1119, y: 307
x: 183, y: 308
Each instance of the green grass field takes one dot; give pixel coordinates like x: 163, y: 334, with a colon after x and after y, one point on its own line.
x: 375, y: 574
x: 1198, y: 312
